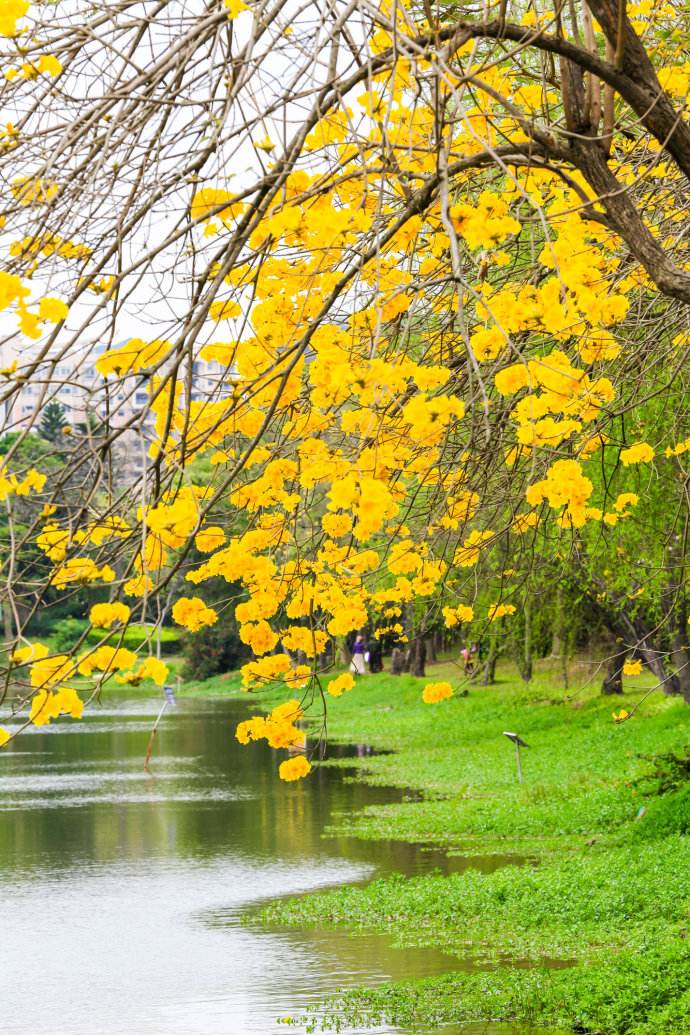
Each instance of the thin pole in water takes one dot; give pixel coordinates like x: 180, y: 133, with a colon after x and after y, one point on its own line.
x: 149, y: 749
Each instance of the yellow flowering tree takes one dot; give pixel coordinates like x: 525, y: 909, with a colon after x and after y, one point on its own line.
x: 398, y: 273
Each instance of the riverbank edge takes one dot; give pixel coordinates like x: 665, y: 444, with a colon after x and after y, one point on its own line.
x: 635, y: 983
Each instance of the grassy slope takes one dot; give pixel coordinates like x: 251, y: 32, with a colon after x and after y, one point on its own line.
x: 610, y: 891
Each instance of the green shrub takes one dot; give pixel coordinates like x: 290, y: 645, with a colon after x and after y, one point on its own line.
x: 665, y: 816
x: 64, y: 634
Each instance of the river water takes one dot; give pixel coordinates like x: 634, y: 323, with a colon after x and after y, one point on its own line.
x: 121, y: 893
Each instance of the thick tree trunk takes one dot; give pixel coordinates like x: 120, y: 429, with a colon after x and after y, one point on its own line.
x: 344, y: 651
x: 653, y: 659
x: 489, y: 670
x: 613, y: 681
x: 397, y: 662
x: 417, y: 655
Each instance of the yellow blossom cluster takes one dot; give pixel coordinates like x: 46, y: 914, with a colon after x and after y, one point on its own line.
x: 294, y: 768
x: 434, y: 692
x: 150, y: 668
x: 639, y: 453
x: 102, y: 616
x: 49, y: 704
x: 80, y: 571
x: 453, y: 615
x: 10, y: 484
x: 338, y: 686
x: 278, y: 728
x: 565, y: 486
x: 193, y: 613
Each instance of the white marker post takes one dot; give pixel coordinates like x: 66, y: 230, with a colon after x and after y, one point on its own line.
x: 519, y: 742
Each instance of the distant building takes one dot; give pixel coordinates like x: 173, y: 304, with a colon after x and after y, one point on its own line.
x: 87, y: 399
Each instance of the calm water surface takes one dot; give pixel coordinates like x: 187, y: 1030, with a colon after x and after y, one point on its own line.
x: 121, y: 893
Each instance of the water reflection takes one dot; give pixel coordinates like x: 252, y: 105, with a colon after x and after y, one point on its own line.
x: 121, y: 892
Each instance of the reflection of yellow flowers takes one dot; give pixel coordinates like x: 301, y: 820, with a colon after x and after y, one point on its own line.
x: 434, y: 692
x: 620, y: 716
x: 4, y: 736
x: 632, y: 668
x: 294, y: 768
x: 193, y: 614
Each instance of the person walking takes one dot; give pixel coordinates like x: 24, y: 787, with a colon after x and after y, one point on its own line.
x: 357, y: 664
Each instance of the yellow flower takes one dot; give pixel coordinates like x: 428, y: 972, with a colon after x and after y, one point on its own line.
x: 259, y: 636
x: 49, y: 64
x: 235, y: 7
x: 626, y: 499
x: 340, y: 684
x: 69, y: 702
x: 4, y: 736
x: 52, y: 309
x: 47, y: 671
x: 434, y: 692
x: 209, y: 539
x: 499, y: 610
x: 467, y: 555
x: 453, y: 615
x: 44, y: 707
x: 102, y: 616
x: 80, y: 570
x: 632, y: 668
x: 640, y: 453
x: 48, y: 704
x: 106, y: 659
x: 150, y: 668
x: 620, y: 716
x: 193, y: 614
x: 511, y: 379
x: 294, y: 768
x: 10, y: 13
x: 32, y: 652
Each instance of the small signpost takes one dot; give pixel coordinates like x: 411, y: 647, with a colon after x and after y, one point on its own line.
x: 519, y: 742
x: 169, y: 692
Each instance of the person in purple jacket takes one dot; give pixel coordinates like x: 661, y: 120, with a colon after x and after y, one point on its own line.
x: 357, y: 664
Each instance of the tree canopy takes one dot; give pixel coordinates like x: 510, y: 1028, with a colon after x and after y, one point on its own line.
x: 411, y: 279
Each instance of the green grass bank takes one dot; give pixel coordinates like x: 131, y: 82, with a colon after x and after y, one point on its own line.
x: 590, y: 933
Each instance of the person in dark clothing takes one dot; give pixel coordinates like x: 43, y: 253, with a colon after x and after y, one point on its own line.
x: 375, y: 655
